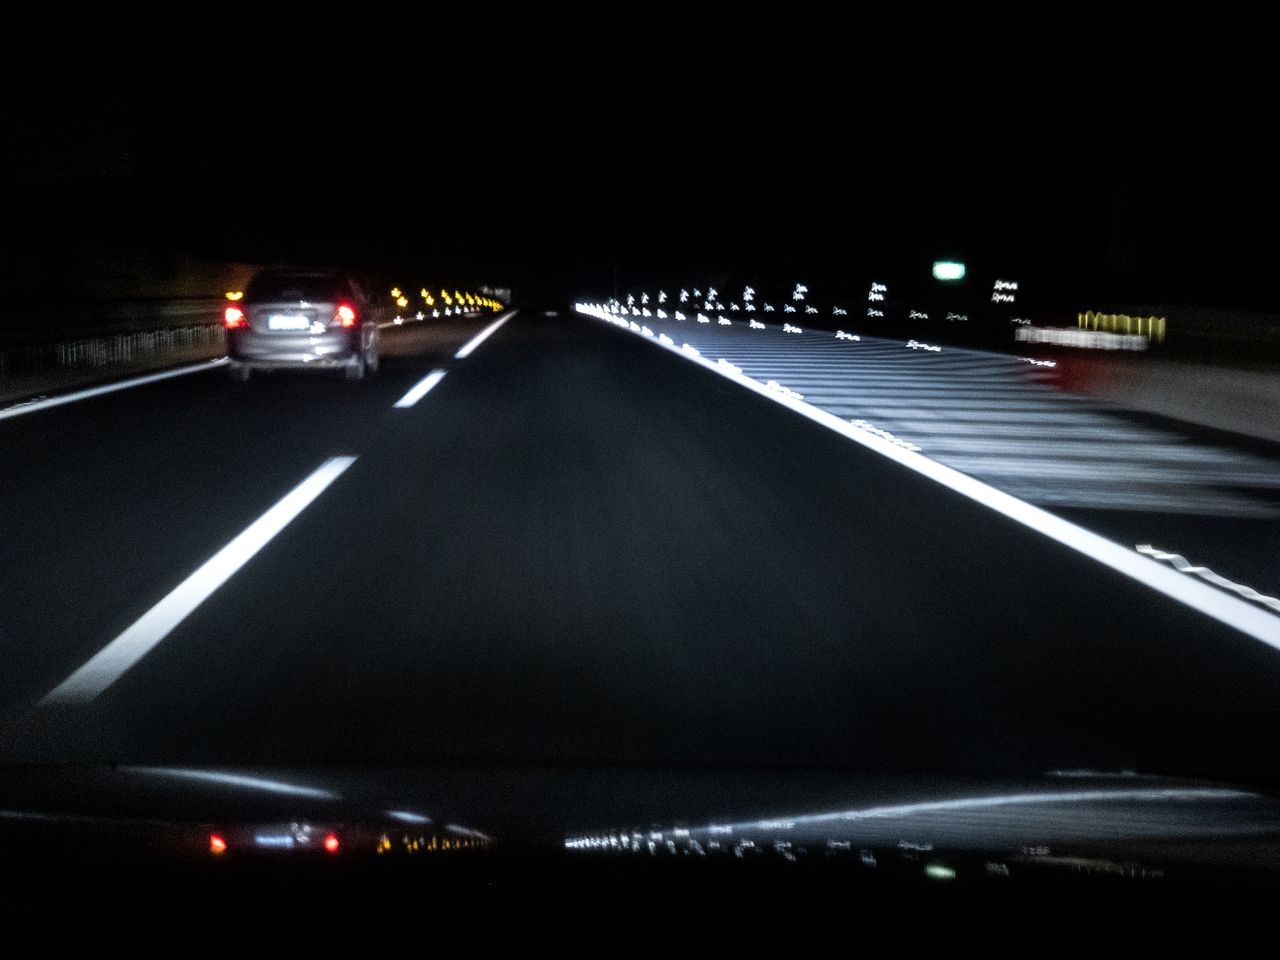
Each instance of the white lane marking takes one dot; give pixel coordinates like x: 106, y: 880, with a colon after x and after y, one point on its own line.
x: 1232, y: 611
x: 1183, y: 565
x: 467, y: 348
x: 18, y: 409
x: 419, y: 389
x: 110, y: 663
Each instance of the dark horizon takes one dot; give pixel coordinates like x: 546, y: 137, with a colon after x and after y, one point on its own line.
x: 1117, y: 156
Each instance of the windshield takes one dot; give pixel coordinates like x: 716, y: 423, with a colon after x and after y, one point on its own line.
x: 731, y: 401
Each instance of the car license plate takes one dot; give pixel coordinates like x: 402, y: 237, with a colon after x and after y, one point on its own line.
x: 288, y: 321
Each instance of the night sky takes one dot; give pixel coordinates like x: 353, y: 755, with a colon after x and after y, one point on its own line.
x: 1109, y: 150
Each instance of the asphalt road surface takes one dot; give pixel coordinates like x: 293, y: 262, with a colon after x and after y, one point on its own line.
x: 574, y: 547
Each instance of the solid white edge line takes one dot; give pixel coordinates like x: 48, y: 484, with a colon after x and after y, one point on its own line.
x: 466, y: 349
x: 1243, y: 616
x: 18, y: 409
x: 111, y: 662
x: 419, y: 389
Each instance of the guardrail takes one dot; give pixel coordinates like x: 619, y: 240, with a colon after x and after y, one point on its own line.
x: 109, y: 350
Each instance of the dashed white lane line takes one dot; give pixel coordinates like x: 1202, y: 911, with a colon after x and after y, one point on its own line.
x: 1252, y: 620
x: 420, y: 389
x: 467, y: 348
x: 112, y: 661
x: 32, y: 406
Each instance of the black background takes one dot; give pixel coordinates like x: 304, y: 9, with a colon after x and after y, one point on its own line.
x: 1109, y: 148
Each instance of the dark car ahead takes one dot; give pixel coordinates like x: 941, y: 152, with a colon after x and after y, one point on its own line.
x: 291, y: 319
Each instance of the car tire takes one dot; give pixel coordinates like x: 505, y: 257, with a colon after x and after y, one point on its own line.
x: 371, y: 360
x: 239, y: 372
x: 355, y: 370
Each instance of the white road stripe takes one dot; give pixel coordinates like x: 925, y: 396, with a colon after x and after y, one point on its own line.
x: 110, y: 663
x: 420, y: 389
x: 467, y: 348
x: 19, y: 409
x: 1232, y: 611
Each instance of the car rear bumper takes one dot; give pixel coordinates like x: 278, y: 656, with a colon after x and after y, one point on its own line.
x: 289, y: 350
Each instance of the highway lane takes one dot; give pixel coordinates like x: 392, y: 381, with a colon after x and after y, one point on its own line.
x: 103, y: 500
x: 1136, y: 478
x: 578, y: 548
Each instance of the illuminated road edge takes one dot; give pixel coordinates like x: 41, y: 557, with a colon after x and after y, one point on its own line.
x: 111, y: 662
x: 1245, y: 617
x: 32, y: 406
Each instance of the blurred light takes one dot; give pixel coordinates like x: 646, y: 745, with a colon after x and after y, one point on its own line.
x: 1152, y: 328
x: 347, y: 315
x: 236, y: 780
x: 948, y: 270
x: 395, y: 293
x: 938, y: 871
x: 402, y: 302
x: 234, y: 318
x: 235, y: 294
x: 282, y: 840
x: 217, y: 845
x: 788, y: 328
x: 405, y: 816
x: 785, y: 391
x: 884, y: 435
x: 1183, y: 565
x: 1085, y: 339
x: 331, y: 843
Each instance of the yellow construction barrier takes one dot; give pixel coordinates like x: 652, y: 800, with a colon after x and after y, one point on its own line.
x: 1150, y: 327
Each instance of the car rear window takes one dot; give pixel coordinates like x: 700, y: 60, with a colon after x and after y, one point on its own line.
x: 266, y: 288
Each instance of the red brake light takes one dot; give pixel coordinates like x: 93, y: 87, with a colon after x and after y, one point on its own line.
x: 234, y: 317
x: 347, y: 315
x: 217, y: 845
x: 331, y: 843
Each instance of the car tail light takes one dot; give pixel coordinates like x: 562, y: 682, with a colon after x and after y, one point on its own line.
x: 234, y: 318
x: 346, y: 315
x: 331, y: 843
x: 217, y: 845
